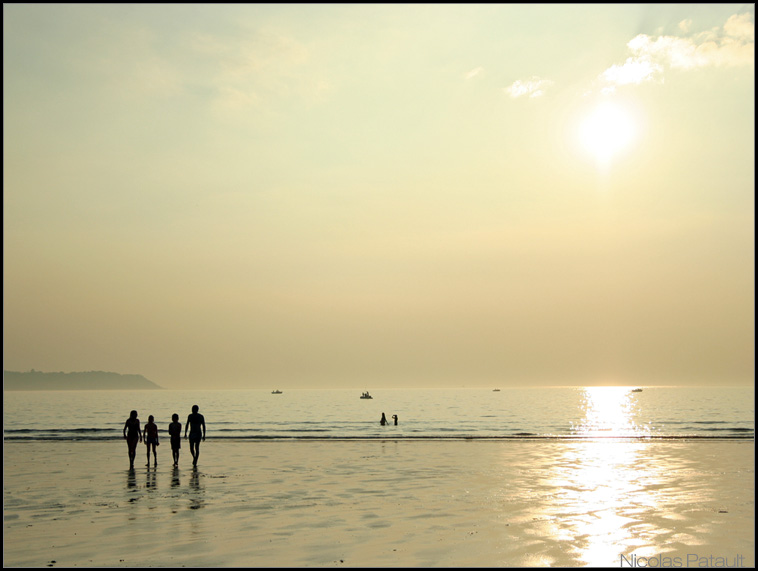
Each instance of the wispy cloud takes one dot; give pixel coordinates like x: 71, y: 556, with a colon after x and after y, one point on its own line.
x: 730, y: 45
x: 532, y: 87
x: 473, y: 73
x: 256, y: 73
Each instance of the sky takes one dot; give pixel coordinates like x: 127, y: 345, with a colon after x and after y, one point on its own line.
x: 339, y: 196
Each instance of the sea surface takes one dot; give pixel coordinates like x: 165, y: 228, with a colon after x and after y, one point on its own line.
x: 510, y: 413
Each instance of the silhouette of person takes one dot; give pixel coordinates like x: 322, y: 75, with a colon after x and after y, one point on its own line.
x: 394, y: 416
x: 196, y: 426
x: 175, y: 431
x: 132, y: 435
x: 383, y: 421
x: 150, y: 436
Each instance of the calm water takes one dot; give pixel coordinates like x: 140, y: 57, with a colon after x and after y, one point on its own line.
x: 657, y: 412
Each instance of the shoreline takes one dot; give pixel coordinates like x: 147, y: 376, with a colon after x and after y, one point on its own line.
x: 404, y: 438
x: 379, y: 503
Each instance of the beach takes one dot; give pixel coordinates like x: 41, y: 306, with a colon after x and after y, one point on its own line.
x: 381, y: 503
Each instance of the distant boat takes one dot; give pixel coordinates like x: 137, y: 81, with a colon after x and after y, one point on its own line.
x: 276, y: 392
x: 636, y: 390
x: 366, y: 396
x: 495, y: 390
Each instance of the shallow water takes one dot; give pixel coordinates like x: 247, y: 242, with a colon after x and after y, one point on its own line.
x: 573, y: 412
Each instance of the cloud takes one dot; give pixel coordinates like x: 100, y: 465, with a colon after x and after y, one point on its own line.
x: 532, y: 87
x: 731, y: 45
x: 473, y: 73
x: 256, y: 73
x: 740, y: 26
x: 633, y: 71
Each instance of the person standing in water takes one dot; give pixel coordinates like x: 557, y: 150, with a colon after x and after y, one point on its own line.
x: 151, y: 439
x: 132, y: 435
x: 196, y: 426
x: 383, y: 421
x: 394, y: 416
x: 175, y: 431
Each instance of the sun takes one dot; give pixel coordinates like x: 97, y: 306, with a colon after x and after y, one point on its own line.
x: 607, y: 131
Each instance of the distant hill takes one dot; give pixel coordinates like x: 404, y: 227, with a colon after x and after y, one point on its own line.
x: 89, y: 381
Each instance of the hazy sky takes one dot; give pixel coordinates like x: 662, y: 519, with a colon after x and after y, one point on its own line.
x: 380, y: 195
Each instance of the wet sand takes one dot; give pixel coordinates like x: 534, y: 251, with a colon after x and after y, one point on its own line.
x: 381, y: 504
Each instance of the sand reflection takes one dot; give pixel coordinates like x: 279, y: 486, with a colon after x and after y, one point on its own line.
x: 150, y: 479
x: 175, y: 481
x: 596, y: 481
x: 131, y: 480
x: 196, y: 494
x: 600, y: 485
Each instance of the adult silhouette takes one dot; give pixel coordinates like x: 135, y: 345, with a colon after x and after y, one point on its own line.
x: 132, y: 435
x: 196, y: 426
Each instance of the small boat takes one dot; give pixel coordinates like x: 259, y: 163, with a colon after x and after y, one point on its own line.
x: 636, y: 390
x: 276, y: 392
x: 495, y: 390
x: 366, y: 396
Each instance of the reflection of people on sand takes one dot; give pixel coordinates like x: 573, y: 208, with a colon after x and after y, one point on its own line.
x: 133, y: 435
x: 196, y: 495
x: 175, y: 477
x: 175, y: 431
x: 196, y: 426
x: 383, y: 421
x: 394, y: 416
x: 150, y: 479
x: 131, y: 479
x: 151, y: 438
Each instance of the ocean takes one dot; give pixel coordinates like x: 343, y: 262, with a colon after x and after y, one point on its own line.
x: 296, y: 414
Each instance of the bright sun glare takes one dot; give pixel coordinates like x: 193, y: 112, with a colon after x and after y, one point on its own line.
x: 608, y: 130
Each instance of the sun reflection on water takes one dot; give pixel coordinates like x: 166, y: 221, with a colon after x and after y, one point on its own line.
x: 609, y: 411
x: 598, y: 481
x: 600, y: 486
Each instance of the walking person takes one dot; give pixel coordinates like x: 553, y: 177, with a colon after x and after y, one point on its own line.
x: 151, y: 439
x: 175, y: 431
x: 196, y: 426
x: 132, y: 435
